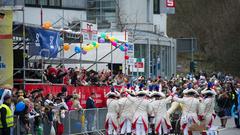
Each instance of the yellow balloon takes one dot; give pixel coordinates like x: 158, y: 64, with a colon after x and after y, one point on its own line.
x: 97, y: 45
x: 86, y: 48
x: 112, y: 39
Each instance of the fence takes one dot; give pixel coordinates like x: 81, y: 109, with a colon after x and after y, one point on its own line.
x: 75, y: 122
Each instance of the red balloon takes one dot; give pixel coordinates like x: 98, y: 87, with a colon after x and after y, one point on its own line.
x: 126, y: 57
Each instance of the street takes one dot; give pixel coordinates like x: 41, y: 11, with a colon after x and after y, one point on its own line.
x: 229, y: 130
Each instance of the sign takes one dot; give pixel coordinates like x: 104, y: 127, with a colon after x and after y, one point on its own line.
x: 6, y: 47
x: 130, y: 51
x: 89, y: 31
x: 167, y: 6
x: 43, y: 42
x: 170, y: 3
x: 136, y: 64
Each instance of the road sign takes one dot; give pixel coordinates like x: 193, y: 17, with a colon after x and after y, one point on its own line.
x: 136, y: 64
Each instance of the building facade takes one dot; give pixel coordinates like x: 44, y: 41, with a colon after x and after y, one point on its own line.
x: 142, y: 20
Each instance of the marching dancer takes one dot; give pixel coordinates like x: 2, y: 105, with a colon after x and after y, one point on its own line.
x: 111, y: 124
x: 190, y: 108
x: 141, y: 108
x: 126, y: 110
x: 162, y: 122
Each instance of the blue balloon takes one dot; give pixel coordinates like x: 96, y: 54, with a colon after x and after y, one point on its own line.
x: 77, y: 49
x: 126, y: 44
x: 20, y: 106
x: 122, y: 48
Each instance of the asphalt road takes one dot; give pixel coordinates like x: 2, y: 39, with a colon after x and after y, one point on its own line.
x: 230, y: 128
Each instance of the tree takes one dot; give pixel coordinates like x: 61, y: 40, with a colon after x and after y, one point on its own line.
x: 216, y: 25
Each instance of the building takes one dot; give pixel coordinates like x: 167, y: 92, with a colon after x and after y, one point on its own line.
x: 142, y: 20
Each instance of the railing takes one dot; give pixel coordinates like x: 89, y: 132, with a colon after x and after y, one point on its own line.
x: 75, y: 122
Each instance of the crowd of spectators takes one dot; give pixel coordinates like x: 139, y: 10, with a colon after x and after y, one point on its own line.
x: 44, y: 112
x: 81, y: 77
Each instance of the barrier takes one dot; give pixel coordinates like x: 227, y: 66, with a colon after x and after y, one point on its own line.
x: 75, y: 122
x: 83, y: 91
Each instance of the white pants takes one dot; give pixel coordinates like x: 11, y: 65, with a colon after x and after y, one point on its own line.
x: 111, y: 130
x: 140, y: 130
x: 164, y: 127
x: 127, y: 127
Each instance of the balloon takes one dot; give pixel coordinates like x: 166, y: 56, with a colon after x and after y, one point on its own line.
x: 112, y: 39
x: 114, y: 43
x: 101, y: 40
x: 91, y: 47
x: 97, y: 45
x: 66, y: 47
x: 126, y: 44
x: 122, y: 48
x: 125, y: 48
x: 86, y: 48
x: 126, y: 57
x: 20, y: 106
x: 47, y: 25
x: 115, y: 39
x: 77, y: 49
x: 94, y: 44
x: 103, y: 35
x: 107, y: 37
x: 84, y: 52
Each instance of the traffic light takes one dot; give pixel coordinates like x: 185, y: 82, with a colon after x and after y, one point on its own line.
x: 193, y: 66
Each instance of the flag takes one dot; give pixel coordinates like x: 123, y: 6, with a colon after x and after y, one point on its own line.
x: 43, y: 42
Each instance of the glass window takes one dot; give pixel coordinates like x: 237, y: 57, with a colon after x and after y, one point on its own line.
x: 31, y: 2
x: 56, y: 3
x: 156, y: 6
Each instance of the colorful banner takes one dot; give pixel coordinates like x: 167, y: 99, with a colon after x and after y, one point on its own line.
x: 6, y: 47
x: 43, y: 42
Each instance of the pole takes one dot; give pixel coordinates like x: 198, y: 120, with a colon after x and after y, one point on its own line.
x: 192, y: 49
x: 41, y: 14
x: 96, y: 60
x: 24, y: 50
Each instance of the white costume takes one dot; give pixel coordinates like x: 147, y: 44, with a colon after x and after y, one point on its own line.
x: 111, y: 123
x: 160, y: 112
x: 208, y: 105
x: 190, y: 108
x: 126, y: 110
x: 140, y: 115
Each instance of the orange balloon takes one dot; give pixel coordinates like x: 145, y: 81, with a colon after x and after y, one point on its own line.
x: 47, y: 25
x: 66, y: 47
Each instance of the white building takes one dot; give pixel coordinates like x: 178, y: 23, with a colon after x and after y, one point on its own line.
x: 140, y: 18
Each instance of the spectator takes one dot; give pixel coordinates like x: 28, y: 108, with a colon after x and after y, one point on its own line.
x: 90, y: 114
x: 7, y: 120
x: 76, y: 104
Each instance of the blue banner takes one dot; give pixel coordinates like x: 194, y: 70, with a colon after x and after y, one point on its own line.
x: 43, y: 42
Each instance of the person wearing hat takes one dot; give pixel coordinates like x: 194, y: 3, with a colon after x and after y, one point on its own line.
x: 190, y: 107
x: 111, y: 123
x: 6, y: 121
x: 125, y: 113
x: 207, y: 107
x: 159, y: 110
x: 5, y: 90
x: 141, y: 107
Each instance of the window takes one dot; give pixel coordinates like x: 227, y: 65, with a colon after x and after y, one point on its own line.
x: 156, y: 6
x: 56, y: 3
x: 48, y: 3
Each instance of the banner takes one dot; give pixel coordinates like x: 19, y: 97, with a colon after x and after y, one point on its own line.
x: 43, y: 42
x: 6, y: 47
